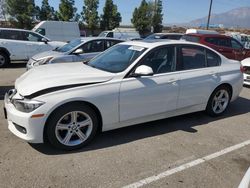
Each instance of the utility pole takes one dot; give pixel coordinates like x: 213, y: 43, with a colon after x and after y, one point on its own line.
x: 209, y: 14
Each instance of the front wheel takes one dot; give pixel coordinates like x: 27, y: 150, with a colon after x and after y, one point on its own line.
x: 219, y: 101
x: 72, y: 126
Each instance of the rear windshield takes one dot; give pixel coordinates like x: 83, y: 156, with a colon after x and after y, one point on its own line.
x: 191, y: 38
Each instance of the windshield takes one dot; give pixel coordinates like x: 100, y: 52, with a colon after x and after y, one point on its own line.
x: 67, y: 47
x: 153, y: 36
x: 103, y: 34
x: 117, y: 58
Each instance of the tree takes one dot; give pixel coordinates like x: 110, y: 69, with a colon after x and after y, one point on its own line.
x: 90, y: 14
x: 66, y: 10
x: 111, y: 18
x: 21, y: 12
x: 46, y: 12
x: 157, y: 17
x: 142, y: 17
x: 3, y: 9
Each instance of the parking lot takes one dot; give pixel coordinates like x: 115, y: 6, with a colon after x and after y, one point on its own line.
x: 193, y: 150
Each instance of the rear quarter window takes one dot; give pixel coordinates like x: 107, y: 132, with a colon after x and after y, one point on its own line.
x: 213, y: 59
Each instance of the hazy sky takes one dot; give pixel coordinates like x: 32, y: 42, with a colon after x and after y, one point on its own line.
x: 175, y: 11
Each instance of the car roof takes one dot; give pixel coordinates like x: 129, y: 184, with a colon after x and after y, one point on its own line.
x: 86, y: 39
x: 208, y: 35
x: 167, y: 34
x: 14, y: 29
x: 155, y: 43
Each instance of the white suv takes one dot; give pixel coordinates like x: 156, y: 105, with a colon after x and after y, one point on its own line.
x: 20, y: 45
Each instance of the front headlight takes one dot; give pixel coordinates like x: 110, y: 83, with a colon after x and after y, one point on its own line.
x: 26, y: 105
x: 42, y: 61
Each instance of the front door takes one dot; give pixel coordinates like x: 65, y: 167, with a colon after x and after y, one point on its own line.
x: 151, y: 95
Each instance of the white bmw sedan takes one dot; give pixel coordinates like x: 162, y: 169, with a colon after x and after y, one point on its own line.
x: 130, y: 83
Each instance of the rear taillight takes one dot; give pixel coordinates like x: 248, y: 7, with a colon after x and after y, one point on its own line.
x: 243, y: 69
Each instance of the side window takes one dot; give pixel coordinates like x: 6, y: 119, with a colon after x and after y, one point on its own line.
x: 110, y: 34
x: 110, y: 43
x: 93, y: 46
x: 212, y: 40
x: 213, y: 59
x: 235, y: 44
x: 225, y: 42
x: 28, y: 36
x: 161, y: 60
x: 191, y: 57
x: 191, y: 38
x: 11, y: 35
x: 41, y: 31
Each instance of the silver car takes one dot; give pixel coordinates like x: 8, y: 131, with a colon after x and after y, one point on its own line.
x: 81, y: 49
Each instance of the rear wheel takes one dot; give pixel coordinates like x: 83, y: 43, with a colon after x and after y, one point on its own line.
x: 72, y: 126
x: 4, y: 59
x: 219, y: 101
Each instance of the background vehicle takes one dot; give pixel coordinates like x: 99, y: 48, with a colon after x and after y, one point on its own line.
x: 226, y: 45
x: 172, y: 36
x: 82, y: 49
x: 130, y: 83
x: 121, y: 34
x: 20, y: 45
x: 58, y: 30
x: 246, y: 70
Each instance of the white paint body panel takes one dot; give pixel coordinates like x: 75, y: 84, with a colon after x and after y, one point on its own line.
x: 121, y: 101
x: 246, y: 62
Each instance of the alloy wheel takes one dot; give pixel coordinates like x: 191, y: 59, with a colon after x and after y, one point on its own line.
x: 220, y: 101
x: 73, y: 128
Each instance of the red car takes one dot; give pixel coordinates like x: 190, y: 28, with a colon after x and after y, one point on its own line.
x: 226, y: 45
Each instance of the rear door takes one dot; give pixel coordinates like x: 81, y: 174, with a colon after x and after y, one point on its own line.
x: 222, y: 45
x: 198, y: 76
x: 12, y: 40
x: 238, y: 50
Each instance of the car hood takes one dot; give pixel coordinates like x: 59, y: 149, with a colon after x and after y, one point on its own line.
x: 56, y: 43
x: 61, y: 75
x: 47, y: 54
x: 246, y: 62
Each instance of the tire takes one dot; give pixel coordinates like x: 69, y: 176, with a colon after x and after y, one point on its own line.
x: 72, y: 126
x: 4, y: 59
x: 218, y: 101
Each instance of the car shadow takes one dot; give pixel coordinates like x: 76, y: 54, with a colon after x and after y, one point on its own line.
x: 125, y: 135
x: 15, y: 66
x: 3, y: 90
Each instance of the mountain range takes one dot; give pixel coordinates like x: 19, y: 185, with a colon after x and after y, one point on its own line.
x: 238, y: 17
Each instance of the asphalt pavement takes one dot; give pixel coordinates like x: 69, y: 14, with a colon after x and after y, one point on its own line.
x: 159, y: 151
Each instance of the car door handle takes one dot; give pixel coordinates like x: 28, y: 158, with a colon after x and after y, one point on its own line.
x: 213, y: 73
x: 172, y: 80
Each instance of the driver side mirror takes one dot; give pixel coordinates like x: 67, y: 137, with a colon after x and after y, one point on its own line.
x: 143, y: 70
x: 78, y: 51
x: 45, y: 40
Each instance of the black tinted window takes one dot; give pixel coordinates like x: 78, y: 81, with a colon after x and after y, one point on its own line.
x: 28, y: 36
x: 11, y: 34
x: 212, y: 40
x: 213, y: 59
x: 161, y: 60
x: 225, y: 42
x: 41, y: 31
x: 191, y: 38
x: 93, y: 46
x: 235, y: 44
x: 110, y: 43
x: 192, y: 58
